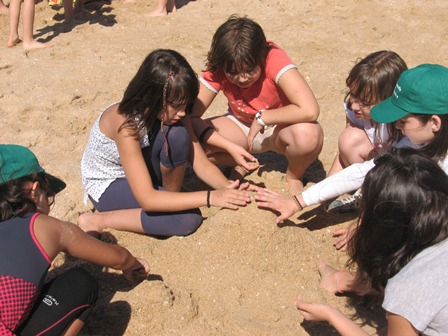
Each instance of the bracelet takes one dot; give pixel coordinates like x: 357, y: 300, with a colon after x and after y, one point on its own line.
x: 208, y: 198
x: 258, y: 117
x: 338, y: 281
x: 204, y: 132
x: 296, y: 201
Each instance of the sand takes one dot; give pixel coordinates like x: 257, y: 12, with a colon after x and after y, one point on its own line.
x: 240, y: 273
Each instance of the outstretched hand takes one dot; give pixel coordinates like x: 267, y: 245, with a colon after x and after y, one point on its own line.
x: 342, y: 237
x: 243, y: 158
x: 137, y: 272
x: 313, y: 311
x: 231, y: 197
x: 285, y: 205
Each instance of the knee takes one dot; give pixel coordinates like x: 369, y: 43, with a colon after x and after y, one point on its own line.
x: 189, y: 225
x: 308, y: 138
x: 350, y: 138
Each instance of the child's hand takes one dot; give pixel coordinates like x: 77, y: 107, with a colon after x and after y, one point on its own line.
x: 266, y: 198
x: 255, y: 128
x: 342, y: 237
x: 243, y: 158
x: 313, y: 311
x: 229, y: 197
x: 137, y: 272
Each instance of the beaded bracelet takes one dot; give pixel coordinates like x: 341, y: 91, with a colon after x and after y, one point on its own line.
x: 296, y: 201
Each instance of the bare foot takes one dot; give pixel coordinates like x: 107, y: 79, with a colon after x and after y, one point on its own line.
x: 4, y: 10
x: 295, y: 185
x: 156, y: 13
x: 12, y: 41
x: 329, y: 277
x: 87, y: 223
x: 36, y: 45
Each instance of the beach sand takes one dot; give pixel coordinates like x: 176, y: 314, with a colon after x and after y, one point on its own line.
x: 240, y: 273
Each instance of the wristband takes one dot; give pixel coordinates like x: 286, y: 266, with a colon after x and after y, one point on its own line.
x: 258, y: 117
x: 208, y: 198
x: 204, y: 133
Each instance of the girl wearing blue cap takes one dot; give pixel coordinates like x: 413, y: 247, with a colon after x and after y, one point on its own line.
x: 30, y: 239
x: 400, y: 247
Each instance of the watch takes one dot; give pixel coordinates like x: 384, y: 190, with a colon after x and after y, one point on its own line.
x: 258, y: 117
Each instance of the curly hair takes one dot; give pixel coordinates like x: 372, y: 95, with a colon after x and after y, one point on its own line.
x: 403, y: 211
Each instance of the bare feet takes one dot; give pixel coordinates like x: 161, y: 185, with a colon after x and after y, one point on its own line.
x: 157, y: 12
x: 87, y: 223
x: 33, y: 45
x: 4, y: 9
x: 12, y: 41
x: 295, y: 185
x: 329, y: 277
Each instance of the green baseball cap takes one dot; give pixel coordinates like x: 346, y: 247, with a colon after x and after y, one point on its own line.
x: 420, y: 90
x: 18, y: 161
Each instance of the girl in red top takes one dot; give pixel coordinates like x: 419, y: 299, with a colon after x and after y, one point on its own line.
x: 271, y: 106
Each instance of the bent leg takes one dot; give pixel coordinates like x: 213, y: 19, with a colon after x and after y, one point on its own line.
x: 65, y: 301
x: 119, y: 210
x: 301, y: 144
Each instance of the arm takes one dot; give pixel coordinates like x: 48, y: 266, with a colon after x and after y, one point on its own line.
x: 321, y: 312
x: 202, y: 166
x: 213, y: 138
x: 151, y: 199
x: 344, y: 181
x: 303, y: 106
x: 399, y: 326
x: 56, y: 236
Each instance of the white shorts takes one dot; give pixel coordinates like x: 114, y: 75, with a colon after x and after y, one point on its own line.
x: 263, y: 141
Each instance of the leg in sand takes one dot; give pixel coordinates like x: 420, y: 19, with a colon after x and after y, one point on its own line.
x: 14, y: 16
x: 301, y: 144
x: 342, y: 281
x: 335, y: 281
x: 29, y: 43
x: 3, y: 8
x: 123, y: 220
x: 163, y: 8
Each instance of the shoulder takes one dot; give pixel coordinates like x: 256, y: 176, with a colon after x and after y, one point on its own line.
x: 420, y: 290
x: 277, y: 63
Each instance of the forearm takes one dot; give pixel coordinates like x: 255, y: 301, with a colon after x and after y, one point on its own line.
x: 211, y: 175
x: 344, y: 181
x: 344, y: 325
x: 290, y: 114
x: 162, y: 201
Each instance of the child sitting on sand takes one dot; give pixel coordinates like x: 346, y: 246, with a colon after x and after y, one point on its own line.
x: 134, y: 163
x: 400, y: 247
x: 30, y: 240
x: 270, y: 105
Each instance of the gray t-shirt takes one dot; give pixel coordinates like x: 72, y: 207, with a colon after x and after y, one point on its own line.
x: 419, y: 292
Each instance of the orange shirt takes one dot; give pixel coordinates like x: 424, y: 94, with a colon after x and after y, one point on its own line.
x: 264, y: 94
